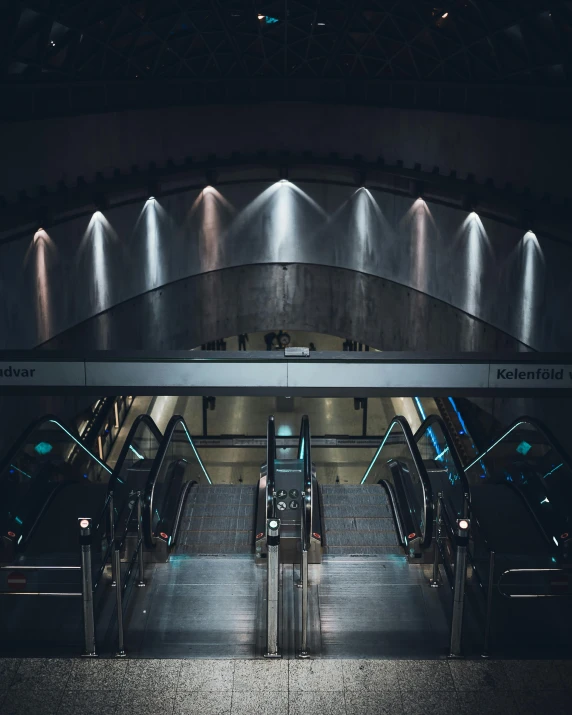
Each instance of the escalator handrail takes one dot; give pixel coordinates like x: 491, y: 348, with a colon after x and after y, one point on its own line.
x: 32, y: 427
x: 270, y: 467
x: 150, y: 423
x: 544, y: 431
x: 436, y: 419
x: 553, y: 443
x: 421, y: 470
x: 304, y: 453
x: 174, y: 423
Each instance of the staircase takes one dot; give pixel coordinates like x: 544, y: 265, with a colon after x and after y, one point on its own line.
x: 358, y: 521
x: 217, y: 520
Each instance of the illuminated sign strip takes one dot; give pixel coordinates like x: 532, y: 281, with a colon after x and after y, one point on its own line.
x: 322, y: 373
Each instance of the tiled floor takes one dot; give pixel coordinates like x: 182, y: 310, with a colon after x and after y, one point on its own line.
x: 295, y: 687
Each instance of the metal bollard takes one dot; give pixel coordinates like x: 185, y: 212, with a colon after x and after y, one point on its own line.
x: 87, y: 588
x: 488, y: 621
x: 304, y: 578
x: 463, y: 526
x: 112, y: 536
x: 141, y: 580
x: 119, y: 599
x: 435, y: 581
x: 273, y: 539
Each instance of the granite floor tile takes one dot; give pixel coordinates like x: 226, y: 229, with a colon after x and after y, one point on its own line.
x: 370, y: 675
x: 269, y: 703
x: 422, y: 702
x: 160, y: 676
x: 424, y: 674
x: 207, y: 674
x: 203, y: 703
x: 479, y: 674
x: 304, y: 702
x: 8, y: 668
x: 379, y: 703
x: 487, y: 701
x: 546, y: 702
x: 533, y: 674
x: 564, y: 668
x: 315, y: 675
x: 261, y: 675
x: 32, y: 702
x: 42, y: 674
x: 96, y: 674
x: 88, y: 702
x: 145, y: 702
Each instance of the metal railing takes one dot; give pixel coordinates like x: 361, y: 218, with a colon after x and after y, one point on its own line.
x: 425, y: 527
x: 150, y: 496
x: 270, y: 468
x: 305, y: 454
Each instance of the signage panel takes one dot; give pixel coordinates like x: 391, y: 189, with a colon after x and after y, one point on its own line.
x: 529, y: 375
x: 388, y: 375
x: 33, y: 373
x: 232, y: 374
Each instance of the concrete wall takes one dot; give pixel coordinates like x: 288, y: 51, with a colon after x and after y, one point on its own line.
x: 523, y: 152
x: 251, y: 299
x: 517, y: 283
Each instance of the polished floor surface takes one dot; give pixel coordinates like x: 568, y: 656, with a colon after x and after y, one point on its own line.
x: 283, y: 687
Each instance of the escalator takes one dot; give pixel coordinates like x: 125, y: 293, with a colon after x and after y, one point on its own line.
x: 370, y: 545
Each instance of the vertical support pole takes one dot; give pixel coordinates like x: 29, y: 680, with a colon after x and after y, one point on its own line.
x: 273, y: 583
x: 459, y: 588
x: 112, y: 537
x: 89, y: 650
x: 119, y: 599
x: 205, y: 408
x: 364, y: 418
x: 488, y: 621
x: 304, y: 577
x: 435, y: 581
x: 465, y: 506
x: 141, y: 579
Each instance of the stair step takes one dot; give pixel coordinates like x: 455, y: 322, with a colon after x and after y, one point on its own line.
x: 218, y: 519
x: 358, y: 521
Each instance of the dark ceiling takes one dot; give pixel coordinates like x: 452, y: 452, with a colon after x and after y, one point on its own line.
x: 500, y: 57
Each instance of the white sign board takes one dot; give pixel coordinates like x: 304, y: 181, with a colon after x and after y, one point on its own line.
x: 387, y: 375
x: 23, y: 373
x: 526, y: 376
x: 230, y: 374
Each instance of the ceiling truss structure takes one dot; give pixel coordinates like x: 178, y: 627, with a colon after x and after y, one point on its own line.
x: 500, y: 57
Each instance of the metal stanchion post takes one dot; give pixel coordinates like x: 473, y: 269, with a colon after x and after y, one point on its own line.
x: 273, y: 531
x: 119, y: 597
x: 112, y: 537
x: 87, y: 588
x: 435, y: 581
x: 463, y: 526
x: 486, y: 644
x: 304, y: 575
x: 141, y: 580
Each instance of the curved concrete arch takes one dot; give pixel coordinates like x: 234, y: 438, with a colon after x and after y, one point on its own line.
x: 255, y: 298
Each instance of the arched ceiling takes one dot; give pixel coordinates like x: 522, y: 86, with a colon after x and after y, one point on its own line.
x: 500, y: 57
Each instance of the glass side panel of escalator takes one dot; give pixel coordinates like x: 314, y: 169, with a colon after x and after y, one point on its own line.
x: 526, y: 459
x: 399, y: 463
x: 47, y: 462
x: 180, y: 465
x: 442, y: 463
